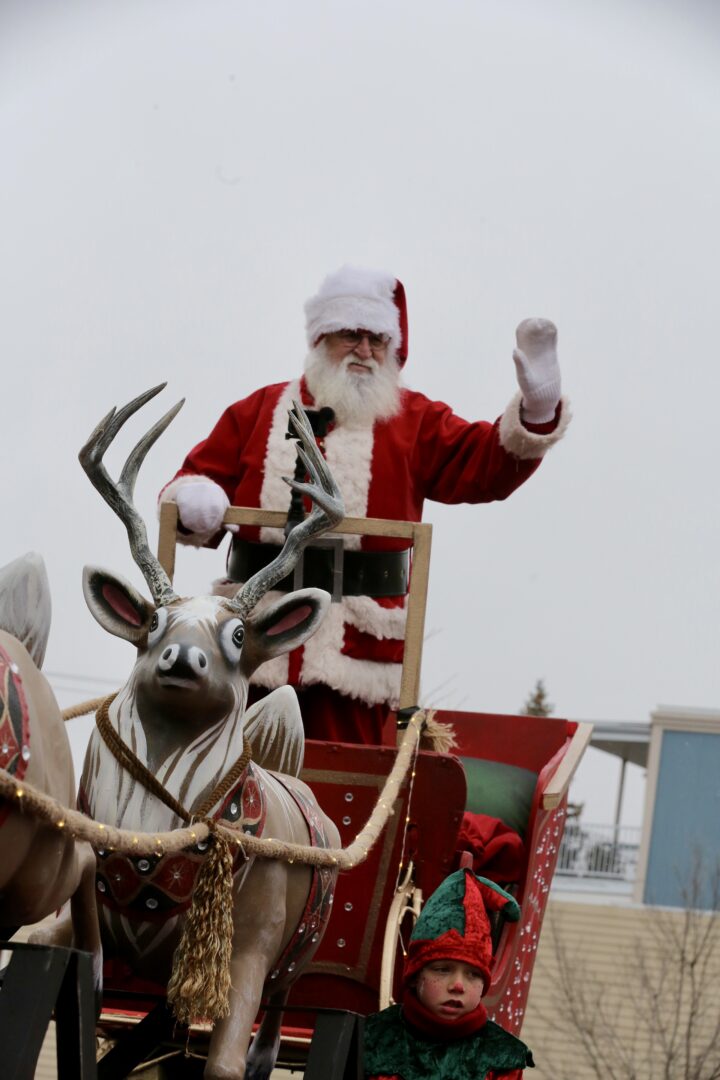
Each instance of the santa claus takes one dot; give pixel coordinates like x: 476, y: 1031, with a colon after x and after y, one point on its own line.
x: 389, y: 449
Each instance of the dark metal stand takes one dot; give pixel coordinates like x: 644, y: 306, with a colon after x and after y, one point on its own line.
x: 137, y: 1044
x: 335, y: 1051
x: 336, y: 1047
x: 38, y: 980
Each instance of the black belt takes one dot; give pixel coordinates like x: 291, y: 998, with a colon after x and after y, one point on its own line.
x: 364, y: 573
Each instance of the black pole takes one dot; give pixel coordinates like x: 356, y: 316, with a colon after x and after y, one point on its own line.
x: 320, y: 421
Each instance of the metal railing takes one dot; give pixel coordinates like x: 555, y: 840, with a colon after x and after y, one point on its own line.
x: 606, y: 852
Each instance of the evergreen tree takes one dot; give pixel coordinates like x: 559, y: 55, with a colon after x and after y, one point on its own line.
x: 537, y: 703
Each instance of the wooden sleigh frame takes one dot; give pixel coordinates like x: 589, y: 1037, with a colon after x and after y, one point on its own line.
x: 420, y: 536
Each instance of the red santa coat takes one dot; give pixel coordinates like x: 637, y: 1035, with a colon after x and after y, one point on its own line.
x: 423, y: 452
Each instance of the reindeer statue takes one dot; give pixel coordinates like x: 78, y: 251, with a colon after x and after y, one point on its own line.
x: 175, y: 745
x: 40, y: 866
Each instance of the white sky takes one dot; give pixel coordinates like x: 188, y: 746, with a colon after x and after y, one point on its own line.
x: 177, y: 178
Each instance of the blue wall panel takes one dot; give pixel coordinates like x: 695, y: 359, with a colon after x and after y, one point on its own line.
x: 687, y: 816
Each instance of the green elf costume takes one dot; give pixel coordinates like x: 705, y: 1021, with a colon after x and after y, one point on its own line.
x: 408, y: 1041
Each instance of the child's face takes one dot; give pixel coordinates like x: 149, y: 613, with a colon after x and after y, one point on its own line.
x: 449, y: 988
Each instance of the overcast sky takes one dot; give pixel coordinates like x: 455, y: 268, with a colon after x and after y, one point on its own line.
x: 177, y: 178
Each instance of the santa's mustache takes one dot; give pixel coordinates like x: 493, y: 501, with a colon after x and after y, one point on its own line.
x: 354, y: 361
x: 356, y: 397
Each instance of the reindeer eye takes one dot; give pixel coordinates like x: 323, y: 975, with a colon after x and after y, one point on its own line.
x: 232, y: 637
x: 157, y: 625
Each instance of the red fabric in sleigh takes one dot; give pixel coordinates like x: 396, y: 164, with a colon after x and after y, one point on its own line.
x: 498, y: 852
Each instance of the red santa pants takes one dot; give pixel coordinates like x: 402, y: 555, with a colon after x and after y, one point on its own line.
x: 334, y: 717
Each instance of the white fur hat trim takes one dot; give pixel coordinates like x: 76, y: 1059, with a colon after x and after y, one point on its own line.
x: 354, y: 298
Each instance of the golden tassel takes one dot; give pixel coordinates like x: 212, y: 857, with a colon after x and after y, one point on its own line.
x: 437, y: 735
x: 199, y: 987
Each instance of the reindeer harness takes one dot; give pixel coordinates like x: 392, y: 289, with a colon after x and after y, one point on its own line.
x: 153, y: 888
x: 14, y: 724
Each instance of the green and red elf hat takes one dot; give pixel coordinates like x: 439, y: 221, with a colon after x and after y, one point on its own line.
x: 454, y: 924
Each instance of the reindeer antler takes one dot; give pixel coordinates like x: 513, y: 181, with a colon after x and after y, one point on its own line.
x: 119, y: 495
x: 328, y: 509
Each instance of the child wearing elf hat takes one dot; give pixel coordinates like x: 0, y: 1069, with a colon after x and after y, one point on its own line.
x: 441, y: 1029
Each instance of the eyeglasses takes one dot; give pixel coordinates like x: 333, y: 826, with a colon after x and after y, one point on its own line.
x: 352, y: 339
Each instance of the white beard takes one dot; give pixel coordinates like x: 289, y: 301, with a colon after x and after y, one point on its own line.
x: 357, y: 400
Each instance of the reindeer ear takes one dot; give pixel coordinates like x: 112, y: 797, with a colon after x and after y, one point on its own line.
x: 115, y: 604
x: 284, y: 625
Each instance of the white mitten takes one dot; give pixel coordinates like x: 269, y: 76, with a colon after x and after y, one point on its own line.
x: 538, y: 371
x: 201, y: 505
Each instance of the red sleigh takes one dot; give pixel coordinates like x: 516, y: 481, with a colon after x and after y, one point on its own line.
x: 516, y: 769
x: 376, y: 903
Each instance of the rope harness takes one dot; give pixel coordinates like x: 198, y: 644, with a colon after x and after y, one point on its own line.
x: 30, y: 800
x: 199, y: 985
x: 132, y: 764
x: 200, y: 982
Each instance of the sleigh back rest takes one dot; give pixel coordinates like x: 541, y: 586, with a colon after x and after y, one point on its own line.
x: 503, y: 756
x: 347, y: 780
x: 418, y: 534
x: 527, y: 742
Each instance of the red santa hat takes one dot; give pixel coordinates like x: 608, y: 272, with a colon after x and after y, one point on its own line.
x: 354, y: 298
x: 454, y: 924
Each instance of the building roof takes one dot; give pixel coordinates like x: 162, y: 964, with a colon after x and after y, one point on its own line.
x: 628, y: 740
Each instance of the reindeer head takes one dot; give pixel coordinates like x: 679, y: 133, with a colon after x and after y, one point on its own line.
x: 196, y: 655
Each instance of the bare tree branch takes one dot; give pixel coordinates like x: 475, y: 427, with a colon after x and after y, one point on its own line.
x: 670, y: 978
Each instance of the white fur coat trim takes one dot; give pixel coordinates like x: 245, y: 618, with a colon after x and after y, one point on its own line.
x: 524, y: 444
x: 366, y: 615
x: 168, y: 494
x: 280, y: 455
x: 323, y: 662
x: 348, y: 453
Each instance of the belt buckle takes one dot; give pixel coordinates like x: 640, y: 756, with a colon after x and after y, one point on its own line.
x: 334, y: 542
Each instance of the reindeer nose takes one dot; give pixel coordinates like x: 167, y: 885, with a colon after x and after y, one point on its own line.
x: 183, y: 661
x: 168, y: 657
x: 198, y: 660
